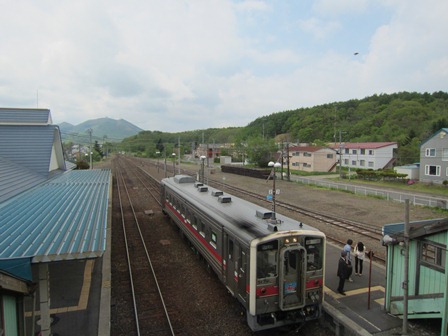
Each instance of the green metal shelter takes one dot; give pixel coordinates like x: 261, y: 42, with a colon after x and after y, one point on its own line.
x: 427, y: 270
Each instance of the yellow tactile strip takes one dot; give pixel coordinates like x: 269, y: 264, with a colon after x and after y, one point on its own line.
x: 84, y: 296
x: 364, y: 290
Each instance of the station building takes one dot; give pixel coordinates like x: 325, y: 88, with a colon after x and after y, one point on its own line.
x: 49, y: 214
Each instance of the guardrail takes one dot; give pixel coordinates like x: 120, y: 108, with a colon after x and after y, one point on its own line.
x: 390, y: 195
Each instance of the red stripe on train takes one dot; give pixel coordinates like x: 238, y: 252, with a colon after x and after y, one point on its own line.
x: 196, y: 233
x: 314, y: 283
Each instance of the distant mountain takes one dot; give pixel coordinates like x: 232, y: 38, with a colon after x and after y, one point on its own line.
x: 103, y: 128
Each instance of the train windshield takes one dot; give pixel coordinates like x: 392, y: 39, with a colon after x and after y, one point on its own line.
x: 267, y: 257
x: 314, y: 249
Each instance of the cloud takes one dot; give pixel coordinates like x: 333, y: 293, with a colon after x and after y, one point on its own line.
x: 179, y: 65
x: 319, y: 28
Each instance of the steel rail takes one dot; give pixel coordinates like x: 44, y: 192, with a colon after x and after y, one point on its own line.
x: 147, y: 258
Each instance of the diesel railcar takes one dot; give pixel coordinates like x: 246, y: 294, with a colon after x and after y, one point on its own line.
x: 273, y: 265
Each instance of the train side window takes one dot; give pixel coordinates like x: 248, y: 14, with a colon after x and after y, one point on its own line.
x: 201, y: 228
x: 230, y: 249
x: 214, y: 240
x: 195, y: 222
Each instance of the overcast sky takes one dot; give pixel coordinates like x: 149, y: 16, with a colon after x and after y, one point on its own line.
x: 178, y: 65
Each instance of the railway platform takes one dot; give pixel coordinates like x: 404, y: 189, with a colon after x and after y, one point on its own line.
x: 81, y: 301
x: 360, y: 311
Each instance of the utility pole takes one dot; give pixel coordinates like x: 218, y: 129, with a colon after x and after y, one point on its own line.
x: 341, y: 147
x: 406, y: 270
x: 287, y: 162
x: 90, y: 134
x: 178, y: 155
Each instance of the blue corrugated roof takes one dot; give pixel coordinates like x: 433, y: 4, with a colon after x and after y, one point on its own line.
x: 22, y: 116
x: 64, y: 218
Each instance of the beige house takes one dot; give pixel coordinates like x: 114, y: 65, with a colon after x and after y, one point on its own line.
x: 312, y: 158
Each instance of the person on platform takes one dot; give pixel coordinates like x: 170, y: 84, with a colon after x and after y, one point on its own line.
x: 342, y: 272
x: 360, y: 254
x: 348, y: 250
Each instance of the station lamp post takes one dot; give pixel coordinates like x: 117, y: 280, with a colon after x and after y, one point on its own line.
x: 174, y: 163
x: 274, y: 191
x: 202, y: 177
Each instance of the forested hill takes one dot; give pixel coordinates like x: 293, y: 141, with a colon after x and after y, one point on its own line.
x: 385, y: 117
x: 406, y: 118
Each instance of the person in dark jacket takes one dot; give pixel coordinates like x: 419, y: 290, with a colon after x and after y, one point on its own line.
x: 342, y: 272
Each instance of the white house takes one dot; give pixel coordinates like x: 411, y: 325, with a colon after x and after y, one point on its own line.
x: 366, y: 155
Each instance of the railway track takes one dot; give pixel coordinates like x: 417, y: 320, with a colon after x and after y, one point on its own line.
x: 333, y: 225
x: 150, y: 313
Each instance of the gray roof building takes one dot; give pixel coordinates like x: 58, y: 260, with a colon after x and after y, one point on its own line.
x: 31, y: 145
x: 47, y: 212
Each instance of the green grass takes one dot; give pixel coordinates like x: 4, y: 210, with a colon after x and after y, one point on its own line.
x: 416, y: 187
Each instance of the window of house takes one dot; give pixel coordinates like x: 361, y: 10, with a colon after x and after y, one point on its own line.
x: 306, y: 154
x: 306, y: 165
x: 445, y: 154
x: 346, y: 162
x: 295, y: 164
x: 370, y: 151
x: 371, y: 164
x: 432, y: 170
x: 362, y: 163
x: 363, y: 152
x: 432, y: 255
x: 347, y: 151
x: 430, y: 152
x: 329, y: 156
x: 353, y: 162
x: 355, y: 151
x: 296, y: 154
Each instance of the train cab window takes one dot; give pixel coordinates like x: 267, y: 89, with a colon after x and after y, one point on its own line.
x: 267, y: 259
x: 314, y: 249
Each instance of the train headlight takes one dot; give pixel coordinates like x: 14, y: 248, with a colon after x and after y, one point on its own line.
x: 286, y: 241
x: 294, y: 240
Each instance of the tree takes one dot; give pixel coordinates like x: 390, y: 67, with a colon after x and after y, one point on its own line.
x: 260, y: 150
x: 160, y: 147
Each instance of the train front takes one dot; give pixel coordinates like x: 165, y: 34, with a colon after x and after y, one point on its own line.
x: 286, y: 278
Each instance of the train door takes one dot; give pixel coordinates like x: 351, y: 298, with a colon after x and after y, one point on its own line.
x: 242, y: 275
x: 231, y: 263
x: 292, y: 274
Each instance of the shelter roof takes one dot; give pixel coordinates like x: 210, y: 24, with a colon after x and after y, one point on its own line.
x: 417, y: 229
x: 61, y: 219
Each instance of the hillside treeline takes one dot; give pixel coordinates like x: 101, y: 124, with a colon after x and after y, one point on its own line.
x: 408, y: 118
